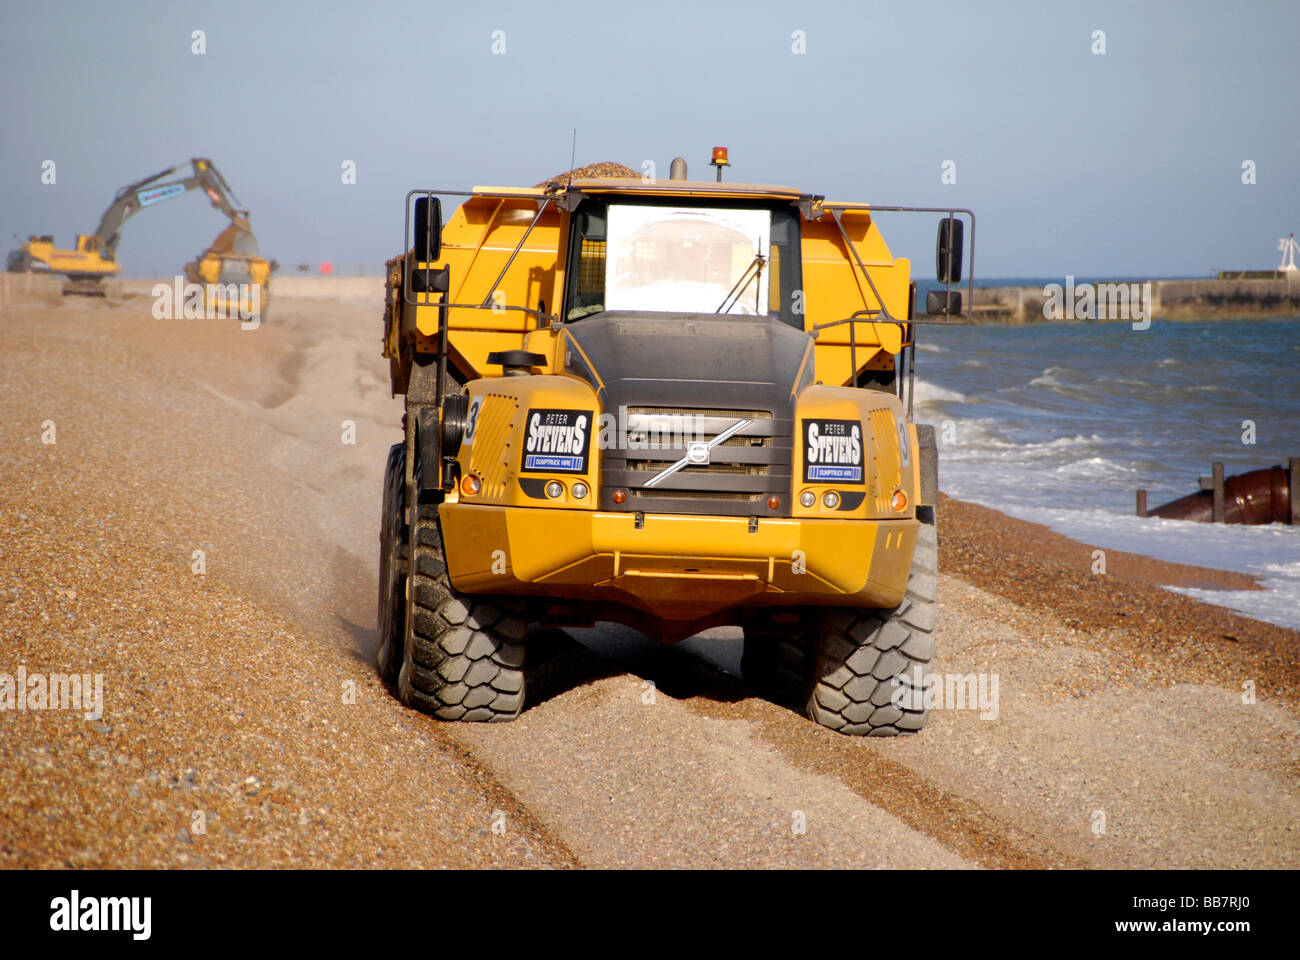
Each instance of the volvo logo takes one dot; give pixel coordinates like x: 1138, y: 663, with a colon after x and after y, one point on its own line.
x: 698, y: 453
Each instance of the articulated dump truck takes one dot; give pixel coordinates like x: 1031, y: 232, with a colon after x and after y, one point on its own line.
x: 672, y: 404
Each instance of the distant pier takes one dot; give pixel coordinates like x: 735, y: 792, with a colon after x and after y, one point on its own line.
x: 1231, y: 294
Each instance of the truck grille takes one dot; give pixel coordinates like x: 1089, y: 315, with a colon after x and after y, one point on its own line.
x: 654, y: 466
x: 696, y: 412
x: 652, y: 494
x: 742, y: 473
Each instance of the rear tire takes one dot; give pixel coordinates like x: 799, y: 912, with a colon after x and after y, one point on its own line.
x: 773, y: 663
x: 393, y: 537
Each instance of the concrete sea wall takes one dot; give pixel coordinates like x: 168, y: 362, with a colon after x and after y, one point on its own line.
x: 1169, y: 299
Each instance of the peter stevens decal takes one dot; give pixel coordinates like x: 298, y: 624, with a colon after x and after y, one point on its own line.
x: 832, y: 451
x: 557, y: 441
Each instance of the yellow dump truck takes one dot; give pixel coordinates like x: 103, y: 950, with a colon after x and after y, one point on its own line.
x: 674, y: 404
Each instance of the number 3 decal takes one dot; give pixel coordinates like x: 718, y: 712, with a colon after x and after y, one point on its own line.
x: 471, y: 419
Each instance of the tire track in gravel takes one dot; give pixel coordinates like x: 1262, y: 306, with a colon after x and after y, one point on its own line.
x: 958, y: 822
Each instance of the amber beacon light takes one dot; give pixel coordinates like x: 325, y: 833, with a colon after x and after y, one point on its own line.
x: 719, y: 160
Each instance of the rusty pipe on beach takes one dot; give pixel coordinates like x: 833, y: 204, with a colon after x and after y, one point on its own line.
x: 1257, y: 497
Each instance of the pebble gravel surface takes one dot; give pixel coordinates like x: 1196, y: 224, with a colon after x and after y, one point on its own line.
x: 243, y: 725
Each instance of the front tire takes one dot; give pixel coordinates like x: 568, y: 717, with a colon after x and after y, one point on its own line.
x: 463, y: 658
x: 853, y: 669
x: 869, y: 666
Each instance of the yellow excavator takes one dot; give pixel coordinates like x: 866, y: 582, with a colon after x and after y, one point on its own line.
x: 232, y: 258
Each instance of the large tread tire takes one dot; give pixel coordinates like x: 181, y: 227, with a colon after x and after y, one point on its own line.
x: 861, y: 658
x: 393, y: 536
x: 464, y: 656
x: 773, y: 663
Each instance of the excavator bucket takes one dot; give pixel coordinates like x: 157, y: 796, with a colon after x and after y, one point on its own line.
x: 237, y: 238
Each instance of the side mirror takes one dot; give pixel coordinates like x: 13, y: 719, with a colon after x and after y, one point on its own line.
x: 943, y: 302
x: 427, y: 241
x: 948, y: 251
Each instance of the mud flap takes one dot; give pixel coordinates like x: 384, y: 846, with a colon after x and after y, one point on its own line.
x: 929, y: 464
x: 428, y: 435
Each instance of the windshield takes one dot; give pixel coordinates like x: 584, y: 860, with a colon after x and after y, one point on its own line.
x: 661, y: 255
x: 686, y: 260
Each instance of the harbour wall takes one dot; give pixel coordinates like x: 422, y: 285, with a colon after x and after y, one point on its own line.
x: 1168, y: 300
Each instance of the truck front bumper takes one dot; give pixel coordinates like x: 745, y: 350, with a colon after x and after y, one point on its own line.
x: 677, y: 567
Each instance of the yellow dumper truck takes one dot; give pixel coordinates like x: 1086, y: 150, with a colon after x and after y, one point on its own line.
x: 674, y: 404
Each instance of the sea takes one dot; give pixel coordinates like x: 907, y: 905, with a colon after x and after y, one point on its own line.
x: 1061, y: 423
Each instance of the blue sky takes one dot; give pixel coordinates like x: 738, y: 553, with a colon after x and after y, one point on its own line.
x: 1123, y: 164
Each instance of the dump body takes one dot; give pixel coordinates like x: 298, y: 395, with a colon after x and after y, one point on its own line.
x: 485, y: 230
x: 646, y: 457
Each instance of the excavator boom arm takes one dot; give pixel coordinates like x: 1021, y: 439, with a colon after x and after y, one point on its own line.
x: 134, y: 197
